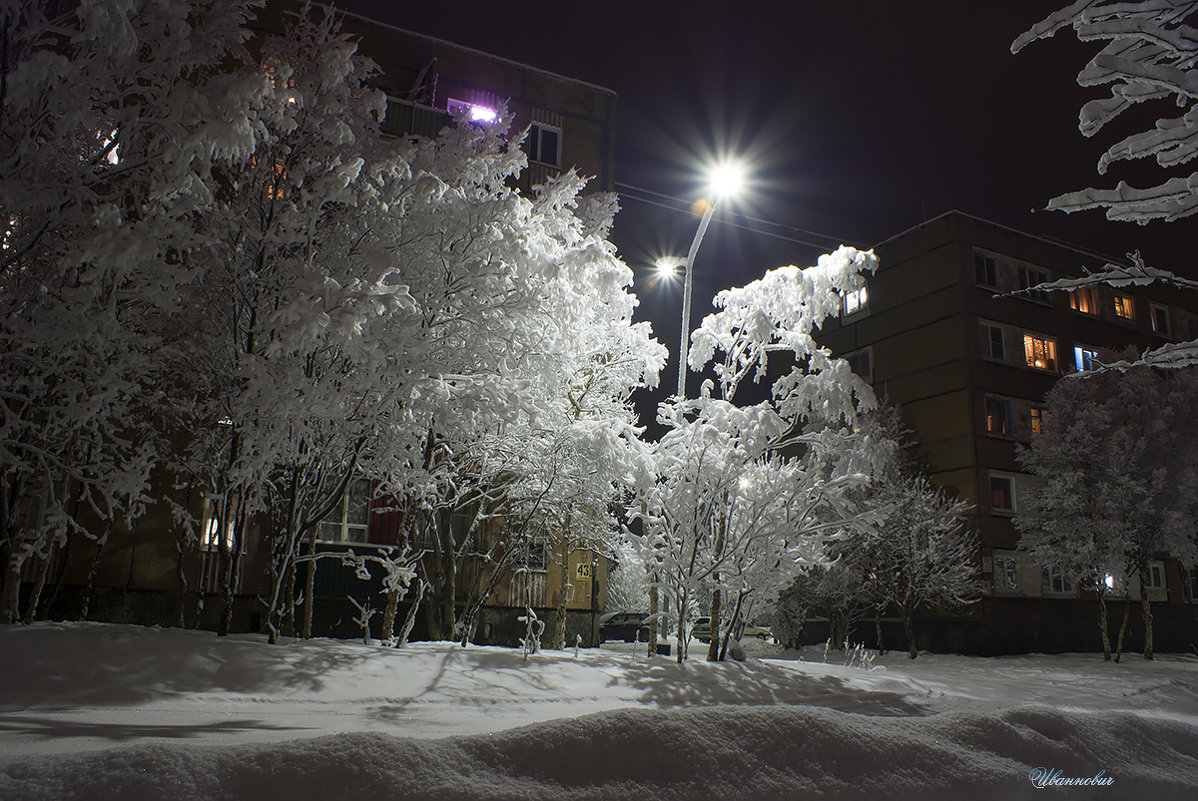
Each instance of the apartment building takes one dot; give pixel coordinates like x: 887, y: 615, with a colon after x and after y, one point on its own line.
x: 938, y: 333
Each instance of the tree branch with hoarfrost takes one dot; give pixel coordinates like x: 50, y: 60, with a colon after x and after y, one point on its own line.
x: 1149, y: 55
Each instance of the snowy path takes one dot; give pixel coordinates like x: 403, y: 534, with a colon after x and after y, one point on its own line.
x: 68, y: 691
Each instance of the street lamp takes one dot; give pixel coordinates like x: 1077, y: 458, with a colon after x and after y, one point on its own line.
x: 724, y: 180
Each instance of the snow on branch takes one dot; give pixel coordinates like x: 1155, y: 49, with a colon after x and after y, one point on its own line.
x: 1150, y: 55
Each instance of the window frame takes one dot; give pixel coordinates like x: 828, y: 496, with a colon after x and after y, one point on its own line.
x: 1091, y: 303
x: 988, y: 341
x: 1003, y: 405
x: 1124, y: 307
x: 1050, y: 343
x: 1029, y: 276
x: 861, y: 300
x: 343, y: 523
x: 1051, y: 577
x: 1084, y: 358
x: 536, y: 130
x: 1037, y: 419
x: 1003, y: 511
x: 985, y: 269
x: 1154, y: 577
x: 866, y: 352
x: 1153, y: 309
x: 1009, y: 562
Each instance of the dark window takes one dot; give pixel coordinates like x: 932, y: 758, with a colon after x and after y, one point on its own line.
x: 985, y: 270
x: 545, y: 145
x: 992, y: 342
x: 1160, y: 319
x: 861, y: 364
x: 1029, y: 277
x: 1002, y: 494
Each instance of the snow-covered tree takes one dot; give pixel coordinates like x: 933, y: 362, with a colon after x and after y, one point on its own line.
x: 1117, y: 476
x: 102, y: 171
x: 923, y: 556
x: 746, y: 495
x: 525, y: 353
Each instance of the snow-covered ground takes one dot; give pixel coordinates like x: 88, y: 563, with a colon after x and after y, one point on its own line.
x: 90, y: 711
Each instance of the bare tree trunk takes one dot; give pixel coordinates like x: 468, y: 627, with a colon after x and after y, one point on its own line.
x: 10, y: 600
x: 1146, y: 606
x: 910, y: 632
x: 682, y: 632
x: 559, y: 640
x: 232, y: 572
x: 289, y: 596
x: 310, y: 585
x: 878, y: 630
x: 410, y: 619
x: 1102, y: 626
x: 652, y: 617
x: 713, y: 647
x: 39, y: 584
x: 85, y: 608
x: 1123, y: 628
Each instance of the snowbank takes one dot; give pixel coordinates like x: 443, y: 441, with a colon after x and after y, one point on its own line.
x: 199, y: 717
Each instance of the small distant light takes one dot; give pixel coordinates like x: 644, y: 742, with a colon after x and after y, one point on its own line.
x: 1110, y: 582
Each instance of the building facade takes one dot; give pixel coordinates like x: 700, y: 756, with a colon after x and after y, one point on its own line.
x: 938, y: 333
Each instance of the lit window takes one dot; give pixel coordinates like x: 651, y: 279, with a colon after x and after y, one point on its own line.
x: 1055, y: 581
x: 998, y: 416
x: 350, y: 521
x: 992, y: 342
x: 545, y: 144
x: 1002, y: 494
x: 1039, y: 417
x: 1160, y: 319
x: 471, y: 111
x: 1085, y: 359
x: 1040, y: 352
x: 1030, y: 277
x: 1006, y: 572
x: 985, y: 269
x: 855, y: 301
x: 861, y: 363
x: 1084, y: 299
x: 210, y: 530
x: 1124, y: 308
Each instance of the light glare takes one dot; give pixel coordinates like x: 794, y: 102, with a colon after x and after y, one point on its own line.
x: 667, y: 266
x: 726, y: 179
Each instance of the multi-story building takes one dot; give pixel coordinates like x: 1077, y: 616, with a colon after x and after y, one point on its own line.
x: 145, y: 574
x: 938, y: 333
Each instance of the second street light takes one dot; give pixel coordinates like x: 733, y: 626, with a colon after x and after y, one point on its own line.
x: 725, y: 180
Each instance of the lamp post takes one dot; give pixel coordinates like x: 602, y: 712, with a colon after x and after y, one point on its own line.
x: 725, y: 179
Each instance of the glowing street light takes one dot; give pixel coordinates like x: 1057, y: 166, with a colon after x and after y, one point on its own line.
x: 724, y: 180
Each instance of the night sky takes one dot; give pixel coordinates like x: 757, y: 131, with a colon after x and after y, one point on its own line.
x: 859, y: 120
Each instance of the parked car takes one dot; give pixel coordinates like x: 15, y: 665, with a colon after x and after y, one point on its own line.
x: 701, y: 631
x: 626, y: 626
x: 760, y: 632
